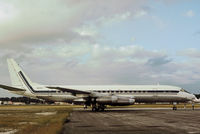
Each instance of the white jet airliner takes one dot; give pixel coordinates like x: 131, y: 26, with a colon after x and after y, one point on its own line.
x: 92, y: 95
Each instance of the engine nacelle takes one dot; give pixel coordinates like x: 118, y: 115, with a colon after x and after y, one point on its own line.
x: 125, y: 101
x: 116, y: 100
x: 107, y: 99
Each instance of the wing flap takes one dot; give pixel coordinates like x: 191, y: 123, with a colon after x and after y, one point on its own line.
x: 9, y: 88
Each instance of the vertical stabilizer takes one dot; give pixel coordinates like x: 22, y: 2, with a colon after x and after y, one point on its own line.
x: 17, y: 75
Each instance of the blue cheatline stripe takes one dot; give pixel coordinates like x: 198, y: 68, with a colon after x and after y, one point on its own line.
x: 30, y: 87
x: 26, y: 82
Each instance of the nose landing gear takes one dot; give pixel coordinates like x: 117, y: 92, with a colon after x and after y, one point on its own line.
x: 192, y: 106
x: 174, y: 106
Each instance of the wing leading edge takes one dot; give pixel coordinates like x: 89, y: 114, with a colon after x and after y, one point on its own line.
x: 73, y: 91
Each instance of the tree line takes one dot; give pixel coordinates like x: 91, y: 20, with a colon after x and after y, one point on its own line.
x: 21, y: 99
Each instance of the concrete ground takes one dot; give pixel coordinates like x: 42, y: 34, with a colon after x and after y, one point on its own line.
x: 134, y: 121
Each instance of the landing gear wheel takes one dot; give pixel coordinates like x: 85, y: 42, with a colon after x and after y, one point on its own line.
x: 94, y: 109
x: 101, y: 108
x: 174, y: 106
x: 98, y: 107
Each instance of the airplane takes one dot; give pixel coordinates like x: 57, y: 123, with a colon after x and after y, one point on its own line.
x: 96, y: 96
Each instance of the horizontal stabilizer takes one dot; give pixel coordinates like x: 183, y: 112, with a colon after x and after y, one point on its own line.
x: 73, y: 91
x: 9, y: 88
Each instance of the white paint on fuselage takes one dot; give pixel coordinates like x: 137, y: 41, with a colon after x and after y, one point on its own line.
x: 141, y: 93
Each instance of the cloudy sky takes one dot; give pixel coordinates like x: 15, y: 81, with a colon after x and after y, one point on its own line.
x: 102, y: 41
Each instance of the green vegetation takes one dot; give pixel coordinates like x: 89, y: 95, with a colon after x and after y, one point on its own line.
x: 33, y: 119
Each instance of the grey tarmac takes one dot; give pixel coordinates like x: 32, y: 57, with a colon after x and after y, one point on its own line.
x: 134, y: 121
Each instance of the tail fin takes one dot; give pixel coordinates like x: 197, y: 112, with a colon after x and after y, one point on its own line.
x: 17, y: 76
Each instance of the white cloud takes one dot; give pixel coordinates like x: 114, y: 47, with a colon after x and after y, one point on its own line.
x: 60, y: 40
x: 140, y: 13
x: 89, y: 30
x: 98, y: 54
x: 109, y: 20
x: 7, y: 12
x: 46, y: 21
x: 190, y: 13
x: 190, y: 52
x: 101, y: 64
x: 92, y: 28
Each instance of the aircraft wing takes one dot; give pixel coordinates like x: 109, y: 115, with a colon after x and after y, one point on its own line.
x: 73, y: 91
x: 9, y: 88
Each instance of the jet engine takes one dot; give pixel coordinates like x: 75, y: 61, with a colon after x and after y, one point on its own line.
x: 107, y: 100
x: 115, y: 100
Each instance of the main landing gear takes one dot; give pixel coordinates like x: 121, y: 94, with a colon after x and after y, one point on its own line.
x: 96, y: 108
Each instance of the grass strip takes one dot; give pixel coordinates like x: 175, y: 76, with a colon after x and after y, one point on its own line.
x: 33, y: 119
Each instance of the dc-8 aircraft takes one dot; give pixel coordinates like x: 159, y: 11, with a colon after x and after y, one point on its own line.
x: 98, y: 97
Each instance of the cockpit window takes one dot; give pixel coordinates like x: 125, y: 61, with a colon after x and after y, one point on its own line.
x: 183, y: 90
